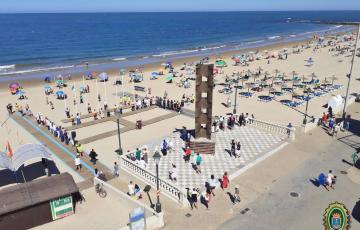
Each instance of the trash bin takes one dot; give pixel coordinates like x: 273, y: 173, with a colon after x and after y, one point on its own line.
x: 108, y: 113
x: 138, y: 124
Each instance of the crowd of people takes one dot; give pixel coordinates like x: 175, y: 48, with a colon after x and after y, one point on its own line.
x: 220, y: 122
x: 328, y: 120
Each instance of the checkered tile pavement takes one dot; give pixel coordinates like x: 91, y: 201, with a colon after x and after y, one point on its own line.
x: 254, y: 144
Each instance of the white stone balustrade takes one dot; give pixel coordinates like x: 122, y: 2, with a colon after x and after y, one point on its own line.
x: 273, y: 128
x: 170, y: 189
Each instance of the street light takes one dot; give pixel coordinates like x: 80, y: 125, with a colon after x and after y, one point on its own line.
x: 357, y: 24
x: 351, y: 70
x: 157, y: 158
x: 118, y: 113
x: 307, y: 104
x: 236, y: 88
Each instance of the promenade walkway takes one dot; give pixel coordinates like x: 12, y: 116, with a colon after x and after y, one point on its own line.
x: 65, y: 152
x: 128, y: 126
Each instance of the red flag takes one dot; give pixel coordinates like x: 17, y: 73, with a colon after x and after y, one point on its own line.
x: 9, y: 151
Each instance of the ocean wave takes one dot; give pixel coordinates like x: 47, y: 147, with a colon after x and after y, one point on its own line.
x: 212, y: 48
x: 6, y: 67
x: 274, y: 37
x: 172, y: 53
x: 36, y: 70
x: 255, y: 42
x: 292, y: 35
x: 119, y: 59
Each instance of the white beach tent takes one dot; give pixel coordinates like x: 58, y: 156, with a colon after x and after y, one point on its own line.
x: 22, y: 155
x: 335, y: 102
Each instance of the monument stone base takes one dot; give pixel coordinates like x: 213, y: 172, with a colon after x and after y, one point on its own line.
x: 203, y: 146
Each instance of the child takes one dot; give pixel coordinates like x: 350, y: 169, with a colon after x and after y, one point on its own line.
x: 237, y: 194
x: 225, y: 180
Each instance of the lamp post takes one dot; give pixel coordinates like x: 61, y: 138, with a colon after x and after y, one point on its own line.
x: 351, y: 70
x: 157, y: 158
x: 236, y: 88
x: 118, y: 114
x: 307, y: 104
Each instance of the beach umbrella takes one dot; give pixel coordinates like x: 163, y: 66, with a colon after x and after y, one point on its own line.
x: 47, y: 87
x: 170, y: 77
x: 14, y: 85
x: 47, y: 79
x: 220, y: 63
x: 304, y: 78
x: 20, y: 92
x: 293, y: 73
x: 59, y: 93
x: 59, y: 82
x: 249, y: 86
x: 326, y: 82
x: 89, y: 76
x: 276, y: 71
x: 333, y: 78
x: 259, y: 69
x: 313, y: 76
x: 103, y: 76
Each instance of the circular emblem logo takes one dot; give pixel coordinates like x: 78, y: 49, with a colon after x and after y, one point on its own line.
x: 336, y: 217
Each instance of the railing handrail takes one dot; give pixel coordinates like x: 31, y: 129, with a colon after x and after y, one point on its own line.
x: 270, y: 124
x: 161, y: 181
x: 125, y: 196
x: 290, y: 132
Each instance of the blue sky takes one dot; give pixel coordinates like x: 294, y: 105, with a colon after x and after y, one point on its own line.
x: 172, y: 5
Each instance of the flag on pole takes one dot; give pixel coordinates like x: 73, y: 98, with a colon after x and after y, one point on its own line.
x: 9, y: 151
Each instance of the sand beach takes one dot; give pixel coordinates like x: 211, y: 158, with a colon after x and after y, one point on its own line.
x: 328, y: 65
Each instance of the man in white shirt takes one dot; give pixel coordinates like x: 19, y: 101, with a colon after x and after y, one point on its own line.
x: 212, y: 184
x: 329, y: 180
x: 78, y: 163
x: 131, y: 189
x: 173, y: 173
x: 142, y: 163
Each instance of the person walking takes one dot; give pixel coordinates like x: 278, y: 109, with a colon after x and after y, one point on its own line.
x: 238, y: 150
x: 78, y: 163
x: 329, y: 180
x: 131, y: 189
x: 93, y: 156
x: 187, y: 154
x: 138, y: 154
x: 225, y: 180
x: 198, y: 163
x: 116, y: 169
x: 212, y: 184
x: 232, y: 144
x: 194, y: 198
x: 236, y: 194
x: 78, y: 119
x: 336, y: 130
x: 205, y: 198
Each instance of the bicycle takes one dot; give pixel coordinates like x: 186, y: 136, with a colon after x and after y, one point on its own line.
x: 99, y: 188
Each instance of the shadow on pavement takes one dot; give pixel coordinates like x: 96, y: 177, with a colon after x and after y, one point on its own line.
x: 232, y: 198
x: 356, y: 211
x: 315, y: 182
x: 27, y: 173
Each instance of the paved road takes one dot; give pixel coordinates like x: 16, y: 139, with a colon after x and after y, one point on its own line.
x: 276, y: 209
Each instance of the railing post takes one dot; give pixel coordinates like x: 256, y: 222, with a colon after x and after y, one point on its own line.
x: 278, y: 129
x: 170, y: 189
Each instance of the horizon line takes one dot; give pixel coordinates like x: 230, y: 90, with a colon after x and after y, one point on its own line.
x: 185, y: 11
